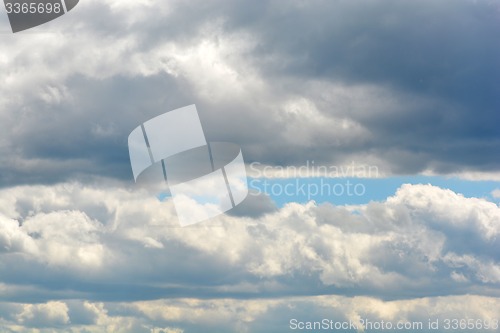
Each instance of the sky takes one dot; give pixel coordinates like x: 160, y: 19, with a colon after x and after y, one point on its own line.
x: 408, y: 88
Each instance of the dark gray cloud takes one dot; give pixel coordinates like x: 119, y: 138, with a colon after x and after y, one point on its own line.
x: 443, y: 51
x: 407, y: 86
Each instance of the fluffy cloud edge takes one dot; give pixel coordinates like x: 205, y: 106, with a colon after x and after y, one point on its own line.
x: 100, y: 241
x: 234, y: 315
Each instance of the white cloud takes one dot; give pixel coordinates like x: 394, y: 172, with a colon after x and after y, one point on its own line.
x: 43, y: 315
x: 236, y: 315
x: 66, y: 238
x: 12, y: 239
x: 444, y: 207
x: 410, y: 244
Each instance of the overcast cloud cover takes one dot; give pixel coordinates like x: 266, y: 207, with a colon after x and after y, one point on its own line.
x: 412, y: 87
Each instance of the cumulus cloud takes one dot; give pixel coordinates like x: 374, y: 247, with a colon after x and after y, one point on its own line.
x: 407, y: 87
x: 231, y: 315
x: 122, y: 244
x: 43, y: 315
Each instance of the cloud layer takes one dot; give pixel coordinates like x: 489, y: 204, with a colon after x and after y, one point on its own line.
x: 111, y: 244
x: 226, y: 315
x: 409, y: 87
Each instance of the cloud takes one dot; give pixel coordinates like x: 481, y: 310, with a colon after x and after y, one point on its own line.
x: 264, y: 315
x: 407, y: 87
x: 66, y: 238
x: 43, y: 315
x: 370, y: 84
x: 106, y: 242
